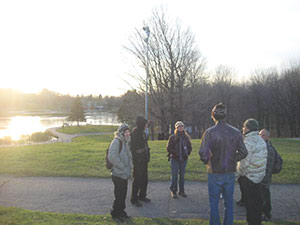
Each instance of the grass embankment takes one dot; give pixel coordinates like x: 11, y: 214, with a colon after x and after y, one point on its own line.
x: 10, y: 216
x: 85, y: 157
x: 88, y: 129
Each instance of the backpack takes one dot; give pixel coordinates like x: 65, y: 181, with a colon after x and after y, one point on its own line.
x: 109, y: 165
x: 277, y: 166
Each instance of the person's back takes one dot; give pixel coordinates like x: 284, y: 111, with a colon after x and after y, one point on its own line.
x: 223, y: 141
x: 222, y: 146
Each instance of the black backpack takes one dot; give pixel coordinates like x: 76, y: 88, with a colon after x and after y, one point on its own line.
x: 109, y: 165
x: 277, y: 166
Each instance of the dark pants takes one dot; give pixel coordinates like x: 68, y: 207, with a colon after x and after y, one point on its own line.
x: 266, y: 195
x: 240, y: 181
x: 140, y: 181
x: 120, y: 192
x: 254, y: 201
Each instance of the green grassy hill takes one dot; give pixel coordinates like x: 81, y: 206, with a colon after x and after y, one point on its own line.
x: 85, y: 157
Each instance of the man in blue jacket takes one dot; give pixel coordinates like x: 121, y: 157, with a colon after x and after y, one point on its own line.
x: 222, y: 146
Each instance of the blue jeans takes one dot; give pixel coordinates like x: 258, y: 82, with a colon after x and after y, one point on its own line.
x: 217, y: 184
x: 177, y: 167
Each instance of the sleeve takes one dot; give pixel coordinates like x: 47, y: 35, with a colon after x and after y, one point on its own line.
x: 205, y: 151
x: 245, y: 162
x: 242, y: 151
x: 114, y: 154
x: 170, y: 145
x: 190, y: 148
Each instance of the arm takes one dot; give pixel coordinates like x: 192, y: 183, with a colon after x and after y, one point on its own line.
x: 245, y: 163
x: 190, y: 148
x: 241, y: 152
x: 114, y: 154
x: 205, y: 151
x: 170, y: 145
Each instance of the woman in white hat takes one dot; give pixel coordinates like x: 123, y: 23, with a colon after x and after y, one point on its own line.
x: 179, y: 147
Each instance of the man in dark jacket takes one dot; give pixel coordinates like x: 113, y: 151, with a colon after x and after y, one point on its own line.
x: 222, y: 146
x: 273, y: 158
x: 141, y: 157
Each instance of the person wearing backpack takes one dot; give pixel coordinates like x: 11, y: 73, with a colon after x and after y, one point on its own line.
x: 121, y: 160
x: 274, y: 165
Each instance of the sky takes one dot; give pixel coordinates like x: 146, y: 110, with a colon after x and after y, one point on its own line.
x: 77, y: 47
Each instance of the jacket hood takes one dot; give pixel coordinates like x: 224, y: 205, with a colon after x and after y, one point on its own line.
x: 141, y: 122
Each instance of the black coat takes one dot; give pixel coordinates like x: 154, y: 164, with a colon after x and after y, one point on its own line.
x: 173, y: 146
x: 139, y: 146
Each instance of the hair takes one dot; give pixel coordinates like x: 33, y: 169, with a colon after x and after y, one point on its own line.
x: 185, y: 133
x: 219, y: 112
x: 267, y: 132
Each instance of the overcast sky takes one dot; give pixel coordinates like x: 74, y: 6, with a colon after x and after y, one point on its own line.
x: 75, y: 47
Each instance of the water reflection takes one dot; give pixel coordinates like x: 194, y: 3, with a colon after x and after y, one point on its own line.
x: 16, y: 126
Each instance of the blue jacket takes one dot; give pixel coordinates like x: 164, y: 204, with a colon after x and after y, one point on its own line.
x: 222, y: 146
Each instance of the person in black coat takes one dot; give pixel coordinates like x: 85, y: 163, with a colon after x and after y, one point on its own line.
x: 179, y: 147
x: 141, y: 157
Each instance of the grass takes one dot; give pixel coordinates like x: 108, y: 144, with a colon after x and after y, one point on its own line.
x: 88, y: 129
x: 85, y: 157
x: 16, y: 216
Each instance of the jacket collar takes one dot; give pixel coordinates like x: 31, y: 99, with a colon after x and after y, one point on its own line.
x: 252, y: 133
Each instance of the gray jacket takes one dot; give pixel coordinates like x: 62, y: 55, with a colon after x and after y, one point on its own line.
x: 121, y: 161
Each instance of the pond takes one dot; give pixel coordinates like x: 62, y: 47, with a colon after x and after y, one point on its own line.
x: 18, y: 125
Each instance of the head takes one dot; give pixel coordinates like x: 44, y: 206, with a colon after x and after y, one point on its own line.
x: 265, y: 134
x: 179, y: 126
x: 124, y: 131
x: 250, y: 125
x: 141, y: 122
x: 218, y: 112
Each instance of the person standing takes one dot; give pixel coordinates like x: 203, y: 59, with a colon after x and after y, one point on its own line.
x: 179, y: 147
x: 273, y: 160
x: 141, y: 157
x: 252, y: 170
x: 222, y: 146
x: 119, y: 155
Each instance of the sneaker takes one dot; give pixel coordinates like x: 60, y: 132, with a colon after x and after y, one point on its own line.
x: 173, y: 194
x: 181, y: 193
x: 145, y: 199
x: 136, y: 203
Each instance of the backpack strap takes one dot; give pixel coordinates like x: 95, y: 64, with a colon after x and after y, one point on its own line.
x: 120, y: 145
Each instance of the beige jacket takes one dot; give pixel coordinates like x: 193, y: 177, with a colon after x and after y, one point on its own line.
x: 254, y: 165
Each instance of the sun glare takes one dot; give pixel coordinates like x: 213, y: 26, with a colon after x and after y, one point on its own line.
x: 19, y: 126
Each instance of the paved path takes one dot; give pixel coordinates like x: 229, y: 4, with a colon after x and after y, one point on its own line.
x: 95, y: 196
x: 68, y: 137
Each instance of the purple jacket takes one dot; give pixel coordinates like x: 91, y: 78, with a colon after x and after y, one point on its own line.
x: 226, y: 145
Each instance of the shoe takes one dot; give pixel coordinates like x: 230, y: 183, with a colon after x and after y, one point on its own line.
x: 181, y: 193
x: 136, y: 203
x: 265, y: 218
x: 240, y: 203
x: 173, y: 194
x: 118, y: 218
x: 145, y: 199
x: 124, y: 215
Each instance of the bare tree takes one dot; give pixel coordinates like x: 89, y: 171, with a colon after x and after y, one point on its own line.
x: 174, y: 62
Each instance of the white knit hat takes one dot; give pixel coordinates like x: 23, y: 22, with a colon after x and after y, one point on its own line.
x: 179, y: 123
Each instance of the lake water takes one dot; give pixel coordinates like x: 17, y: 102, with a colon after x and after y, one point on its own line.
x: 15, y: 126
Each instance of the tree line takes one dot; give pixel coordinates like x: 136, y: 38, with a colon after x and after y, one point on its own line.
x: 180, y: 88
x: 13, y: 100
